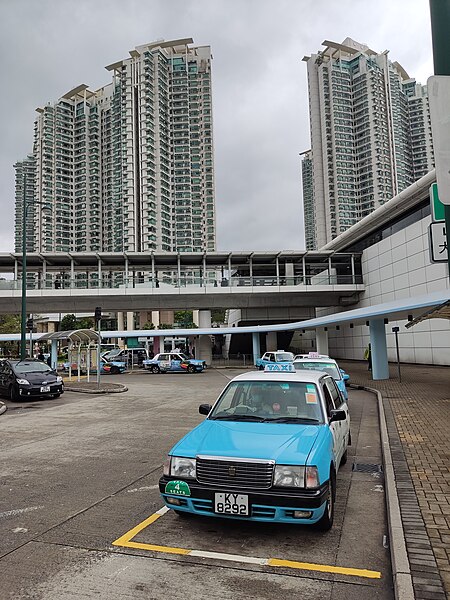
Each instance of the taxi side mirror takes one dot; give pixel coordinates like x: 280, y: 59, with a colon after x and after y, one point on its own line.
x: 204, y: 409
x: 337, y: 415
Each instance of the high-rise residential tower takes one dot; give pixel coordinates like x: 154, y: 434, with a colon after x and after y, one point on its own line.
x: 128, y: 167
x: 370, y: 136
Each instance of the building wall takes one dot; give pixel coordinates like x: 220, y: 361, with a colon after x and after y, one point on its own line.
x: 370, y: 136
x: 128, y: 167
x: 394, y: 268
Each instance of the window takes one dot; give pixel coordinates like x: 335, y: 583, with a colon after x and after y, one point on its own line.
x: 335, y: 395
x: 328, y: 398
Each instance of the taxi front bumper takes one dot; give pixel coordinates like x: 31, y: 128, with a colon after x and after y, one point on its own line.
x: 274, y: 504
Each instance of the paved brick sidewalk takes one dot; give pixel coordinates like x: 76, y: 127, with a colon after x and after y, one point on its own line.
x: 418, y: 420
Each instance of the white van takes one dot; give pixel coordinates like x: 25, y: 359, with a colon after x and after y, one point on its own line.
x: 131, y: 356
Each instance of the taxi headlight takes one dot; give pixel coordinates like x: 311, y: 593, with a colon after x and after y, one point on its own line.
x: 289, y: 476
x: 182, y: 467
x: 23, y: 382
x: 59, y: 379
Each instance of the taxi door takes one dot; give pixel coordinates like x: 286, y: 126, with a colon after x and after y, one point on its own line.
x: 175, y: 362
x: 328, y: 386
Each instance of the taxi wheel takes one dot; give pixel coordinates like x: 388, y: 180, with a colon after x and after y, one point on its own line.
x: 183, y: 514
x: 115, y: 370
x: 344, y: 458
x: 155, y: 369
x: 191, y: 369
x: 56, y: 395
x: 261, y: 368
x: 326, y: 522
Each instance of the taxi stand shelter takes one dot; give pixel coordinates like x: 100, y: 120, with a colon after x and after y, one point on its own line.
x: 81, y: 342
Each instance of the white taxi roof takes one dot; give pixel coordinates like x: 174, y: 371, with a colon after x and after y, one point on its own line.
x: 300, y: 376
x: 322, y: 359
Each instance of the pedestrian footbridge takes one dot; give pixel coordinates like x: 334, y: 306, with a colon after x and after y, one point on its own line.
x: 77, y: 282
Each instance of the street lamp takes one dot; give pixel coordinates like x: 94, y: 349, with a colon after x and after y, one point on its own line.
x: 23, y: 325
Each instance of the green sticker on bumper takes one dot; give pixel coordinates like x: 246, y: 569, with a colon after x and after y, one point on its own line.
x: 178, y: 488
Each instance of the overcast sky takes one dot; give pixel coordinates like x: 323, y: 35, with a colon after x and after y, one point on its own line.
x: 260, y: 102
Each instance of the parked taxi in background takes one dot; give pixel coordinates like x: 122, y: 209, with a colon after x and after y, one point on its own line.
x: 176, y: 362
x: 277, y: 357
x: 320, y: 362
x: 269, y: 450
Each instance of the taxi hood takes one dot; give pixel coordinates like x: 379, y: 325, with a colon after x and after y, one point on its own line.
x: 284, y: 443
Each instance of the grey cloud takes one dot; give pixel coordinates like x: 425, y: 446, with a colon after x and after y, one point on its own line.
x: 259, y: 85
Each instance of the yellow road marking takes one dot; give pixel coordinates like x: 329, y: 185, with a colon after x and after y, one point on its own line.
x: 125, y: 541
x: 292, y: 564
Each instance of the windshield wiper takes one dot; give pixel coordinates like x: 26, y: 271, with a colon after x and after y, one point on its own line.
x: 238, y: 418
x: 291, y: 420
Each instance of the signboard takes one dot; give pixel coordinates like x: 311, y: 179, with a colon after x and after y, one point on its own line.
x: 439, y: 99
x: 133, y: 343
x: 437, y: 208
x: 438, y: 243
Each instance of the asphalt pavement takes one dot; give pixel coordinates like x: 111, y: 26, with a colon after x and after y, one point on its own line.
x: 80, y: 511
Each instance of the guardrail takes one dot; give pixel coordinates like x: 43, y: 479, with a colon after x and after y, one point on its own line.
x: 182, y: 282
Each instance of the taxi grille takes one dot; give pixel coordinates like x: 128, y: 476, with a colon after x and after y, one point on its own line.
x: 231, y: 473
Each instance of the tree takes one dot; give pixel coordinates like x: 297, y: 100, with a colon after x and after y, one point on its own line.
x: 9, y: 324
x: 148, y: 326
x: 218, y: 315
x: 184, y: 318
x: 68, y: 323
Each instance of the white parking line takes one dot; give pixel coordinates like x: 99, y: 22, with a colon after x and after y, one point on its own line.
x: 18, y: 511
x: 144, y: 488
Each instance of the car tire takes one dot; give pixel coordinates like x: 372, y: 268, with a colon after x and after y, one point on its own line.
x: 326, y: 522
x: 13, y: 393
x: 344, y: 458
x: 115, y: 370
x: 183, y: 514
x: 261, y: 368
x: 191, y: 369
x: 56, y: 395
x: 155, y: 369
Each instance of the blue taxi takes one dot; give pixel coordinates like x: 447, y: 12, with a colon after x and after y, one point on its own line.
x: 173, y: 362
x: 277, y: 357
x: 269, y: 450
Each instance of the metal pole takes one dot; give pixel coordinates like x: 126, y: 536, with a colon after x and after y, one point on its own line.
x: 31, y: 342
x: 440, y: 22
x: 99, y: 365
x: 398, y: 357
x: 24, y: 273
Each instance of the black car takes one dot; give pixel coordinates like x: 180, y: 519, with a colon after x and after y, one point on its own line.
x: 29, y: 379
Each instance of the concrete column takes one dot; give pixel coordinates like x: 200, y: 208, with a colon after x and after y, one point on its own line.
x: 156, y: 345
x: 155, y: 318
x: 322, y: 341
x: 289, y: 273
x: 130, y: 321
x: 203, y: 347
x: 120, y: 322
x: 72, y: 273
x: 195, y: 317
x: 271, y: 341
x: 256, y: 347
x: 54, y: 354
x: 378, y: 348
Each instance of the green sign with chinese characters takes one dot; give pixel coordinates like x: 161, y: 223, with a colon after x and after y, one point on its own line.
x: 437, y: 208
x: 178, y: 488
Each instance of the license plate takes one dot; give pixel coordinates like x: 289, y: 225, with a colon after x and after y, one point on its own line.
x: 231, y: 504
x: 45, y: 388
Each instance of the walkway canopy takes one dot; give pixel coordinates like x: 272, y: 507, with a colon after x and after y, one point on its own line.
x: 439, y: 312
x: 77, y: 336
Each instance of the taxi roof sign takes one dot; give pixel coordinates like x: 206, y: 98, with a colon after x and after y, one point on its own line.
x: 284, y: 368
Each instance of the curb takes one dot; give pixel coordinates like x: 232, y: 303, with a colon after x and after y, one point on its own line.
x: 401, y: 572
x: 123, y: 388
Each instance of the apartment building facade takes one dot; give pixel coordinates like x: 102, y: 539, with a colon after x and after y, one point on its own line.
x: 370, y: 136
x: 128, y: 167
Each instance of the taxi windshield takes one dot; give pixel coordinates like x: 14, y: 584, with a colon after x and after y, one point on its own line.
x: 31, y: 367
x: 283, y: 357
x: 265, y: 401
x: 311, y: 365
